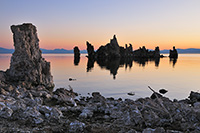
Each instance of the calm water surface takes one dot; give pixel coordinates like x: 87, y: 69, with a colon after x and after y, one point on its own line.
x: 117, y: 79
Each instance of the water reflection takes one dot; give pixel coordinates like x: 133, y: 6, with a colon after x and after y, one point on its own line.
x: 144, y: 61
x: 174, y: 61
x: 90, y: 64
x: 76, y: 60
x: 128, y: 62
x: 179, y: 81
x: 114, y: 64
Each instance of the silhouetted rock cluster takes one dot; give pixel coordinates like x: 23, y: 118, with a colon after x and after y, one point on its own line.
x: 127, y: 51
x: 110, y: 50
x: 173, y: 53
x: 112, y: 56
x: 145, y: 53
x: 27, y: 64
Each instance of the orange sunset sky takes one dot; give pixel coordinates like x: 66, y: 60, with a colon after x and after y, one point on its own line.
x: 67, y: 23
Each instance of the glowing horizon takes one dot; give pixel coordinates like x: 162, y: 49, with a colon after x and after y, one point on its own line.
x: 65, y: 24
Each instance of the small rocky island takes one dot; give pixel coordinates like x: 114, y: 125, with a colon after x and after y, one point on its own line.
x: 112, y: 56
x: 112, y: 51
x: 28, y: 104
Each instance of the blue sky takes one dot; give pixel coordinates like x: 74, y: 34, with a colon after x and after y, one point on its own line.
x: 66, y: 23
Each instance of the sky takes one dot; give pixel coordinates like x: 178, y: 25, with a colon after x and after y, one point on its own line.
x: 69, y: 23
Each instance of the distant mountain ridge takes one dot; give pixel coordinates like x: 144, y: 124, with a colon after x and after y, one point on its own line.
x: 183, y: 51
x: 44, y: 51
x: 6, y: 51
x: 64, y: 51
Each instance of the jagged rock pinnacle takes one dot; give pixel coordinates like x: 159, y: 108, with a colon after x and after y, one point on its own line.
x: 27, y: 64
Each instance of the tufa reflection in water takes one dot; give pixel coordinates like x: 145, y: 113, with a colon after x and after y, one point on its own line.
x: 114, y: 64
x: 76, y: 61
x: 90, y: 64
x: 144, y: 61
x: 173, y: 60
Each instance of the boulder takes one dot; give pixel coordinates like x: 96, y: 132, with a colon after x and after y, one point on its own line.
x: 64, y: 96
x: 6, y: 112
x: 194, y: 97
x: 76, y: 126
x: 27, y: 64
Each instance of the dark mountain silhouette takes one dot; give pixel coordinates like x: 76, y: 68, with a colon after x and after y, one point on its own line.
x: 57, y: 51
x: 183, y: 51
x: 6, y: 51
x: 64, y: 51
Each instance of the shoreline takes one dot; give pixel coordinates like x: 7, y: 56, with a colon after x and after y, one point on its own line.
x: 38, y: 109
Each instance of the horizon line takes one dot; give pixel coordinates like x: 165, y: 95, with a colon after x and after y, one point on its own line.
x: 97, y: 49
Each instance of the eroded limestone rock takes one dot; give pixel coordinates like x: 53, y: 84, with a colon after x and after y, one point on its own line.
x: 173, y: 53
x: 76, y: 55
x: 27, y: 63
x: 110, y: 50
x: 90, y: 50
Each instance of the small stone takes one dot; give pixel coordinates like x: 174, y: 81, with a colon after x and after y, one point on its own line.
x: 196, y: 105
x: 148, y: 130
x: 132, y: 131
x: 173, y: 131
x: 3, y: 92
x: 9, y: 88
x: 76, y: 126
x: 6, y: 112
x: 17, y: 105
x: 163, y: 91
x: 38, y: 120
x: 83, y: 115
x: 106, y: 117
x: 2, y: 105
x: 159, y: 130
x: 95, y: 94
x: 56, y: 113
x: 87, y: 112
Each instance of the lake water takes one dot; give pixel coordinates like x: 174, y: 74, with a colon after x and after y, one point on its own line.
x: 118, y: 78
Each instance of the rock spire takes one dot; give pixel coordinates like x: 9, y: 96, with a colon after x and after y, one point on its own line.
x: 27, y: 64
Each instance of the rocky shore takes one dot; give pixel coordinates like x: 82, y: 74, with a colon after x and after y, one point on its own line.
x: 40, y: 110
x: 28, y: 104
